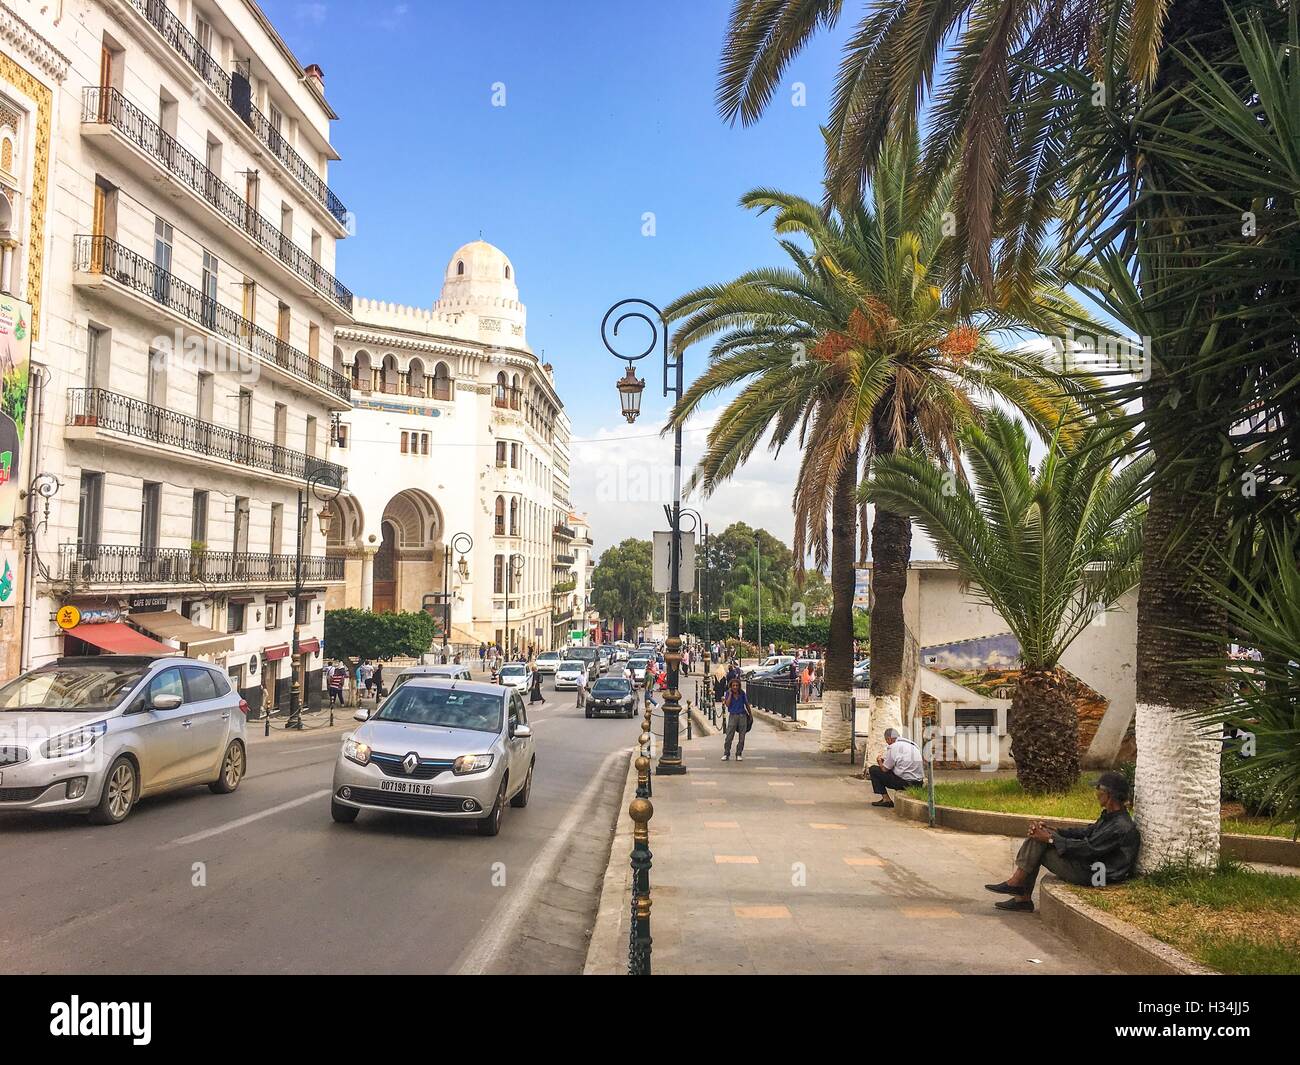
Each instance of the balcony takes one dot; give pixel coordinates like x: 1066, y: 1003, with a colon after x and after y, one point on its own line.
x: 113, y: 119
x: 562, y: 618
x: 235, y: 92
x: 104, y: 258
x: 103, y: 415
x: 565, y: 560
x: 126, y: 565
x: 564, y: 532
x: 563, y: 587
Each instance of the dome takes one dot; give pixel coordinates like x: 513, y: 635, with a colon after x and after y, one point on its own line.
x: 479, y: 271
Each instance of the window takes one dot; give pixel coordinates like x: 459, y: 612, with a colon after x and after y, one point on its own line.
x: 162, y: 259
x: 206, y: 391
x: 501, y: 453
x: 272, y: 615
x: 498, y: 574
x: 404, y: 442
x: 89, y: 509
x: 97, y: 350
x: 203, y: 31
x: 200, y: 685
x: 199, y: 522
x: 342, y: 440
x: 507, y: 273
x: 281, y: 424
x: 150, y: 516
x: 277, y: 528
x: 241, y: 524
x: 514, y: 456
x: 168, y: 682
x: 235, y: 617
x: 460, y: 268
x: 313, y: 341
x: 500, y: 517
x: 309, y: 436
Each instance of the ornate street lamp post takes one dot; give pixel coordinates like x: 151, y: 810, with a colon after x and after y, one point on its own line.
x: 514, y: 570
x: 629, y: 392
x: 324, y: 485
x: 461, y: 544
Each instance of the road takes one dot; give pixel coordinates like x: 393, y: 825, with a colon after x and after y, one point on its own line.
x: 263, y: 881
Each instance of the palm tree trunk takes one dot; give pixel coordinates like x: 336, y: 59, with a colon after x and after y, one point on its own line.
x: 1176, y: 789
x: 1044, y: 726
x: 837, y: 698
x: 891, y: 551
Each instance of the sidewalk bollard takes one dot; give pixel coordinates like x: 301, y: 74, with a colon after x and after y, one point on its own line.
x: 688, y: 719
x: 639, y: 943
x: 853, y: 729
x: 646, y: 754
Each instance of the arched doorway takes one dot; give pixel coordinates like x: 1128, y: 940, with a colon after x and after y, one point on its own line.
x: 408, y: 564
x: 385, y: 594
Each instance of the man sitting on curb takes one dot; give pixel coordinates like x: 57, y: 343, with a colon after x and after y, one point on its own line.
x: 900, y: 767
x: 1103, y: 853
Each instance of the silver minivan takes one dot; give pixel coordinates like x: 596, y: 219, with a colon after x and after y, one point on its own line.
x: 99, y: 733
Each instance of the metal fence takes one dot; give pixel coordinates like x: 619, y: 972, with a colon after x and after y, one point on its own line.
x: 774, y: 696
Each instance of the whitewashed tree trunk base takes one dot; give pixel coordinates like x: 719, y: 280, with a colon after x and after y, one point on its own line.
x: 1176, y: 789
x: 837, y: 730
x: 886, y: 712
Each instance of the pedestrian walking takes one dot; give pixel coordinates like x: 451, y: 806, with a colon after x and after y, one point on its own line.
x: 739, y: 721
x: 650, y: 685
x: 583, y: 692
x: 536, y: 695
x: 378, y: 678
x: 337, y: 675
x: 482, y: 655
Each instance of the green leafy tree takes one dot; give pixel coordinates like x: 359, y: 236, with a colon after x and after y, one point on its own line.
x: 1051, y: 549
x: 359, y: 634
x: 622, y: 584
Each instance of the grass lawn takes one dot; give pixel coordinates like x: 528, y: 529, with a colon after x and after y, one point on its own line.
x: 1235, y: 920
x: 1005, y: 794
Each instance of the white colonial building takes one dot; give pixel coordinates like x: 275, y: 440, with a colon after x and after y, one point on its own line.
x: 185, y: 397
x: 457, y: 435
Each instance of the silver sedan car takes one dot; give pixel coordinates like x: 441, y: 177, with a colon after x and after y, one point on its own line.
x: 97, y: 734
x: 438, y: 748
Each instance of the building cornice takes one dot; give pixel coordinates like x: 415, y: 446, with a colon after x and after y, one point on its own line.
x: 28, y: 42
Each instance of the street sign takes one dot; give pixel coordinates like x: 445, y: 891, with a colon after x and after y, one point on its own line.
x: 662, y: 573
x: 724, y: 614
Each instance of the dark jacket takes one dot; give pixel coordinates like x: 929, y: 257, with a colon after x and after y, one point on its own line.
x: 1113, y: 839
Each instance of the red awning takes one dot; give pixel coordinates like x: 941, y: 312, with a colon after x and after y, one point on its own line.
x: 274, y: 654
x: 120, y: 639
x: 308, y: 646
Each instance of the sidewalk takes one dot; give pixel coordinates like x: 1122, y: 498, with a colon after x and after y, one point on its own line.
x: 777, y: 864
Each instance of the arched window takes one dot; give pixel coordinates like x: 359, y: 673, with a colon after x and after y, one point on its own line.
x: 460, y: 267
x: 514, y: 517
x: 498, y: 574
x: 7, y: 163
x: 441, y: 381
x: 499, y: 525
x: 507, y: 271
x: 363, y: 377
x: 415, y: 379
x: 515, y: 392
x: 391, y: 376
x: 501, y: 397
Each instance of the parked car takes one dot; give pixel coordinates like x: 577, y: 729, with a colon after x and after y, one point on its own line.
x: 589, y: 655
x: 636, y: 666
x: 571, y: 673
x: 516, y: 675
x: 862, y: 674
x: 97, y: 734
x: 605, y: 657
x: 767, y: 664
x: 548, y: 661
x: 438, y: 748
x: 612, y: 695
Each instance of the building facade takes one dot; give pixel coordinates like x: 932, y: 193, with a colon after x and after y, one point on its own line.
x: 188, y: 399
x: 457, y: 447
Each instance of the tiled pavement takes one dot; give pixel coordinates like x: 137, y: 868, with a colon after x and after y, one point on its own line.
x: 777, y: 864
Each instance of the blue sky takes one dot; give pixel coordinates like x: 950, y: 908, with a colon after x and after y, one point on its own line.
x: 609, y: 114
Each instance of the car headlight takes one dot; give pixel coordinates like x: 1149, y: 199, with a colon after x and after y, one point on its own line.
x: 471, y: 763
x: 356, y: 751
x: 74, y: 742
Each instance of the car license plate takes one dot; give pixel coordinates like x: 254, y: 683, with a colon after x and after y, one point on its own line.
x: 406, y: 787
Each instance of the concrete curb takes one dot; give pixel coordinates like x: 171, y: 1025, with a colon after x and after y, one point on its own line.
x: 701, y: 723
x: 607, y: 949
x: 1108, y: 939
x: 1267, y: 850
x: 776, y: 721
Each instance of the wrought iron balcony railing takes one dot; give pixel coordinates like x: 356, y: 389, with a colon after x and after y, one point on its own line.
x: 145, y: 421
x: 128, y: 564
x: 564, y: 532
x: 565, y: 560
x: 109, y: 107
x: 104, y: 255
x: 236, y: 92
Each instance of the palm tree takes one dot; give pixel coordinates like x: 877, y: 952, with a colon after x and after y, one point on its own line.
x: 855, y: 352
x: 1098, y: 101
x: 1050, y: 549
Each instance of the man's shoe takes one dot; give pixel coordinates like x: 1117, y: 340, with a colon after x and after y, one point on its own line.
x: 1016, y: 905
x: 1002, y: 889
x: 886, y: 803
x: 726, y: 757
x: 740, y: 758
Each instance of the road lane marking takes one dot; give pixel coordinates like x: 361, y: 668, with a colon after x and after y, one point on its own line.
x: 241, y: 822
x: 504, y: 920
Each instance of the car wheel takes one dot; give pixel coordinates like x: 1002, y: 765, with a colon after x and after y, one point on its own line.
x: 344, y: 815
x: 491, y: 825
x: 120, y: 789
x: 521, y: 799
x: 232, y: 770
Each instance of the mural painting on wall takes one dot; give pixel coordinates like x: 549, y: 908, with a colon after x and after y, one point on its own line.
x: 990, y: 666
x: 15, y: 373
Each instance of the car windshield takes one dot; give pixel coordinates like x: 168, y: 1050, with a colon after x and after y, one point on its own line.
x: 417, y: 704
x: 611, y: 686
x: 550, y: 656
x: 513, y: 671
x: 572, y: 667
x: 79, y: 688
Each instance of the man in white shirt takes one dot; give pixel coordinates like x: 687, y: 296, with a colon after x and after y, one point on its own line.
x: 900, y: 767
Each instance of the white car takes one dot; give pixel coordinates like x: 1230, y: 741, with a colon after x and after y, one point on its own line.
x: 570, y: 674
x: 637, y: 667
x: 769, y: 663
x: 446, y: 672
x: 516, y: 675
x: 548, y: 661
